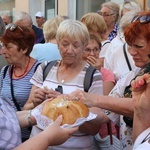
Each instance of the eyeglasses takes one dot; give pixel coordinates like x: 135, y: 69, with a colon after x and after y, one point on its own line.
x: 105, y: 15
x: 12, y: 27
x: 142, y: 19
x: 94, y: 50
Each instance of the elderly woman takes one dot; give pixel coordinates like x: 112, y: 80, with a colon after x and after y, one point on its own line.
x: 68, y: 75
x: 118, y: 58
x: 96, y: 25
x: 110, y: 13
x: 11, y: 122
x: 106, y: 138
x: 137, y: 37
x: 14, y: 78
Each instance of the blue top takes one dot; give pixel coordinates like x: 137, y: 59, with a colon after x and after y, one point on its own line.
x: 45, y: 52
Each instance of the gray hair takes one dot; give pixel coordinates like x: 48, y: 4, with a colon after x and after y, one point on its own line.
x: 114, y: 7
x: 125, y: 21
x: 76, y: 30
x: 21, y: 17
x: 130, y: 5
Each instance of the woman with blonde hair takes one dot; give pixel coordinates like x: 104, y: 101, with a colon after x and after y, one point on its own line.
x: 96, y: 25
x: 67, y: 75
x: 49, y: 50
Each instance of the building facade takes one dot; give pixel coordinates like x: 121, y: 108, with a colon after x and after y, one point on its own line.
x: 74, y: 9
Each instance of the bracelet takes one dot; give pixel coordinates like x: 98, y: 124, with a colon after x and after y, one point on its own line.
x: 29, y: 118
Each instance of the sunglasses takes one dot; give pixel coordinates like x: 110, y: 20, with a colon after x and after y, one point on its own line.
x: 142, y: 19
x: 12, y: 27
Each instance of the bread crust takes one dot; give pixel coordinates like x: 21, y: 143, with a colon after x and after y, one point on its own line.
x: 70, y: 110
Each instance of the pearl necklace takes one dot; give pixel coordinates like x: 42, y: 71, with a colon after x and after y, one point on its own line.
x: 18, y: 76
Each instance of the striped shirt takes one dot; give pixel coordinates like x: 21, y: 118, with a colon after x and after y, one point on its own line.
x: 81, y: 141
x: 21, y: 87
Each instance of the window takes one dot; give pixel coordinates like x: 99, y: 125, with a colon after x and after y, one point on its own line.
x: 86, y: 6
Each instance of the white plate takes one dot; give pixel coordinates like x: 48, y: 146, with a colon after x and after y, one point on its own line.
x: 43, y: 121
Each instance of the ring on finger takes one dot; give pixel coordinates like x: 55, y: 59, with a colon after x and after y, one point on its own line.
x: 76, y: 98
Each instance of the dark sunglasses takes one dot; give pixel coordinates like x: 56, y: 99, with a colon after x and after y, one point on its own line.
x: 142, y: 19
x: 12, y: 27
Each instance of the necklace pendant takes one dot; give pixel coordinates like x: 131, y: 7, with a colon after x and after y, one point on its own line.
x: 62, y: 81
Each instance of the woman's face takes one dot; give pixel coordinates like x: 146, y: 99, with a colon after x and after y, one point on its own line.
x: 140, y: 50
x: 11, y: 53
x: 70, y: 50
x: 92, y: 49
x: 108, y: 15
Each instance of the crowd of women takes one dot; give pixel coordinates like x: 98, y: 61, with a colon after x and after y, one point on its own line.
x: 119, y: 87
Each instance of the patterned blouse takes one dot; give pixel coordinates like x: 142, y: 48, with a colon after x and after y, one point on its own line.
x: 122, y: 89
x: 78, y: 140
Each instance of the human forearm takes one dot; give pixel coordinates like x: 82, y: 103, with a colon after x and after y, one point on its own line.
x: 123, y: 106
x: 93, y: 126
x: 28, y: 105
x: 23, y: 118
x: 39, y: 142
x: 140, y: 124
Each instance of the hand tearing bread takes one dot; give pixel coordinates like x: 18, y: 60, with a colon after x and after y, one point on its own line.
x: 70, y: 110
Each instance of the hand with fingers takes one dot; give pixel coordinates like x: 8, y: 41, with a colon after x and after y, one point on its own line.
x: 141, y: 101
x: 38, y: 96
x: 57, y: 135
x: 82, y: 96
x: 141, y: 93
x: 52, y: 93
x: 95, y: 62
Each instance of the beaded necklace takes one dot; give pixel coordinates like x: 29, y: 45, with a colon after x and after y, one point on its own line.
x: 18, y: 76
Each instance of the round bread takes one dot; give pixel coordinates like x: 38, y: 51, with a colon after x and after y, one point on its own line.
x: 70, y: 110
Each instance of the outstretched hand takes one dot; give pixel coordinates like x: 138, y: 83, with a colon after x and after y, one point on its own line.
x: 57, y: 135
x: 141, y: 93
x: 82, y: 96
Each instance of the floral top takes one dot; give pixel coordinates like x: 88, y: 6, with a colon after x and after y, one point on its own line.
x: 113, y: 33
x: 118, y: 91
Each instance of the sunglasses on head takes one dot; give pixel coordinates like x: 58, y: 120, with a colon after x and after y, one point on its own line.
x: 12, y: 27
x: 142, y: 19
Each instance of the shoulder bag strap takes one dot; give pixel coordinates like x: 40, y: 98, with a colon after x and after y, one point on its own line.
x: 126, y: 57
x: 88, y: 78
x: 48, y: 68
x: 12, y: 91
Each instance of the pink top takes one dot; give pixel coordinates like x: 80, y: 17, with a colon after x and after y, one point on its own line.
x: 107, y: 75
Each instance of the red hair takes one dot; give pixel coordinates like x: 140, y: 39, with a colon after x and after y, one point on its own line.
x: 138, y: 29
x: 23, y: 37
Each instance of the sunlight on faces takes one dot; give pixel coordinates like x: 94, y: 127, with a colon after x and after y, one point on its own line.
x: 139, y: 50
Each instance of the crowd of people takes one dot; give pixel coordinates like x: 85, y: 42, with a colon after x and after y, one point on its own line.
x: 53, y: 59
